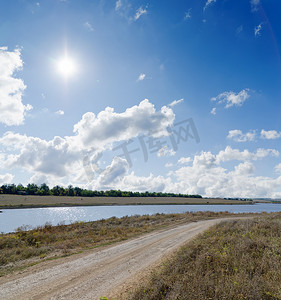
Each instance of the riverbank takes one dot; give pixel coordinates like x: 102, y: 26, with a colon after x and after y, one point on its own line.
x: 28, y: 201
x: 24, y: 248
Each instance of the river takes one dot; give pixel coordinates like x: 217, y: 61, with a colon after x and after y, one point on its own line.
x: 11, y: 219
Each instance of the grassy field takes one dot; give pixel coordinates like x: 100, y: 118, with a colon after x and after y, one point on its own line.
x: 18, y: 201
x: 23, y: 248
x: 234, y: 260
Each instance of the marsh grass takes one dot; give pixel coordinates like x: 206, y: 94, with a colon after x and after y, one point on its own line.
x: 48, y: 241
x: 233, y: 260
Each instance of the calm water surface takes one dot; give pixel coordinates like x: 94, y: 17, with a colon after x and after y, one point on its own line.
x: 11, y: 219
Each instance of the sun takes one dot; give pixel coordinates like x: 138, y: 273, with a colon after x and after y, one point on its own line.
x: 66, y: 67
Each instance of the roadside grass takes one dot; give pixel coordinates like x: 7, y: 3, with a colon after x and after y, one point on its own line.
x: 238, y: 259
x: 23, y: 248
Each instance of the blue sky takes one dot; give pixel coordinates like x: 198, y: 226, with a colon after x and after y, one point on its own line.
x: 191, y: 89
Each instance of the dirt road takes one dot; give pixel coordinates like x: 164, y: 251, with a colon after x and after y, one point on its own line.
x: 100, y: 272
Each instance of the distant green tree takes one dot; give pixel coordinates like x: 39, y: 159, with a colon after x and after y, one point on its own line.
x: 70, y: 190
x: 32, y: 189
x: 77, y: 191
x: 55, y: 190
x: 20, y: 188
x: 44, y: 189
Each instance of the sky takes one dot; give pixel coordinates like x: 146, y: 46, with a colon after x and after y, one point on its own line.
x: 165, y: 96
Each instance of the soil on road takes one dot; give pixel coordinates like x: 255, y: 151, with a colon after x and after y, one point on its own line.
x: 100, y: 272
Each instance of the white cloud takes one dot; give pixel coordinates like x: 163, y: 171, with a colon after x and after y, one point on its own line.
x: 89, y: 26
x: 113, y: 174
x: 278, y: 168
x: 230, y: 154
x: 60, y: 160
x: 60, y: 112
x: 244, y: 168
x: 141, y: 183
x: 258, y: 30
x: 168, y: 165
x: 214, y: 111
x: 232, y: 99
x: 184, y: 160
x: 175, y: 102
x: 140, y: 11
x: 187, y: 15
x: 165, y: 151
x: 270, y: 134
x: 239, y: 136
x: 203, y: 176
x: 205, y: 160
x: 6, y: 179
x: 118, y: 4
x: 12, y: 110
x: 62, y: 157
x: 141, y: 77
x: 108, y: 126
x: 207, y: 177
x: 255, y: 5
x: 209, y: 2
x: 55, y: 157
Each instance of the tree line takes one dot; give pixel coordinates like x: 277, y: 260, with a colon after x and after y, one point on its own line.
x: 44, y: 190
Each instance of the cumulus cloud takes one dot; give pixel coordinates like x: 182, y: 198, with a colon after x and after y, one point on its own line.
x: 175, y: 102
x: 142, y: 183
x: 6, y: 179
x: 207, y: 177
x: 202, y: 174
x: 232, y: 99
x: 270, y: 134
x: 214, y: 111
x: 278, y: 168
x: 239, y: 136
x: 258, y: 30
x: 209, y: 2
x: 12, y: 110
x: 140, y: 11
x: 245, y: 168
x: 55, y: 157
x: 108, y: 126
x: 63, y: 156
x: 229, y: 154
x: 184, y: 160
x: 141, y: 77
x: 113, y: 174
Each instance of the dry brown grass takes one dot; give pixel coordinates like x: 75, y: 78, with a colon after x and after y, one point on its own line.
x: 47, y: 241
x: 24, y: 201
x: 234, y: 260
